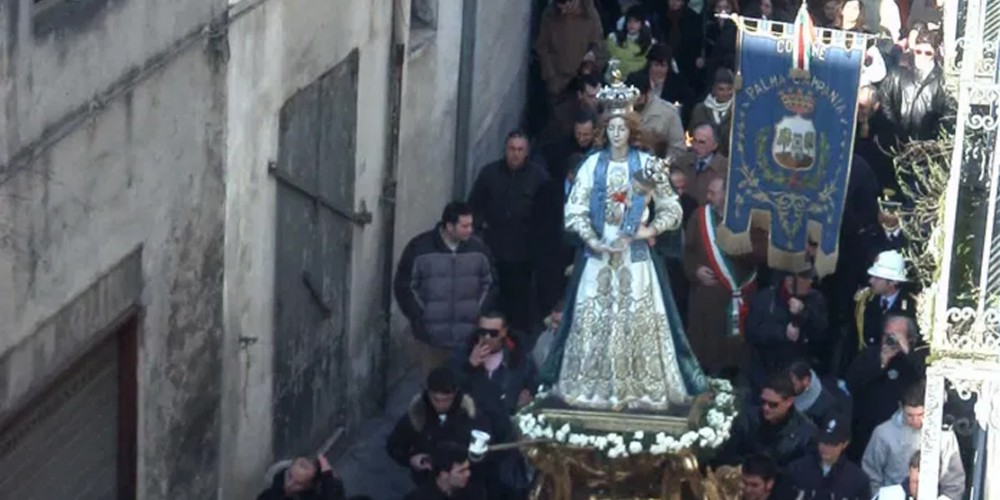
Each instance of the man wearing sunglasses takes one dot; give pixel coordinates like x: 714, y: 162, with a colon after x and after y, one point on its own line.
x: 775, y: 428
x: 501, y: 378
x: 913, y: 100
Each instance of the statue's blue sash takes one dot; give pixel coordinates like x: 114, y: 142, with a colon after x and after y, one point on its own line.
x: 598, y: 203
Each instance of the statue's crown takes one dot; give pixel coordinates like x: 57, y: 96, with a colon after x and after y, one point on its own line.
x: 797, y: 101
x: 617, y: 98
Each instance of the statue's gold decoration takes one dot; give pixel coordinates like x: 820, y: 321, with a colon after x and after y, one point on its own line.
x: 565, y: 470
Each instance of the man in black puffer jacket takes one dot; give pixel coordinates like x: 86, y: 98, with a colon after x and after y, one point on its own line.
x: 444, y: 279
x: 441, y: 413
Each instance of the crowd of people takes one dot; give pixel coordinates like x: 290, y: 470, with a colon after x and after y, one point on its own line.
x: 832, y: 369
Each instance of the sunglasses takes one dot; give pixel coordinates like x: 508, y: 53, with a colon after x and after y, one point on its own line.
x: 487, y: 332
x: 770, y: 404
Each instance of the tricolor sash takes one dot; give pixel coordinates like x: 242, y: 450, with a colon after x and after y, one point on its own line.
x: 725, y: 271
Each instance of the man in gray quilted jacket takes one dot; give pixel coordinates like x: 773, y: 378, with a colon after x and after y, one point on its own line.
x: 444, y: 279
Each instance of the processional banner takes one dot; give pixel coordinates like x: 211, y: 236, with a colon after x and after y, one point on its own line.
x: 792, y: 139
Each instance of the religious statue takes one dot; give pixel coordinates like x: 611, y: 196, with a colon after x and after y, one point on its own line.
x: 621, y: 345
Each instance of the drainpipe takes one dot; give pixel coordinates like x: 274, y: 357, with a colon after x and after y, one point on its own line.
x: 463, y: 125
x: 400, y: 30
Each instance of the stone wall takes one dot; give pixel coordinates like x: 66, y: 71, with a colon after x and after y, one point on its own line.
x: 500, y: 79
x: 109, y: 158
x: 274, y: 52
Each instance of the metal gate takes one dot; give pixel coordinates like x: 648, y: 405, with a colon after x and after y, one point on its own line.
x: 315, y: 224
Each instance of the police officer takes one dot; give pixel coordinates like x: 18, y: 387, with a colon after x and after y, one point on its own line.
x: 828, y: 473
x: 882, y: 297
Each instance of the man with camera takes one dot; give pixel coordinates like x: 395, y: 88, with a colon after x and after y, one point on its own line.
x: 881, y: 373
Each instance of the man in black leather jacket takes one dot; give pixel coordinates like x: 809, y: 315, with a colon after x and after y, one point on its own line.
x: 914, y: 104
x: 775, y: 428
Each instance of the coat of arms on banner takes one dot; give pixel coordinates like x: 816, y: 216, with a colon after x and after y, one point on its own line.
x: 792, y: 139
x: 794, y: 145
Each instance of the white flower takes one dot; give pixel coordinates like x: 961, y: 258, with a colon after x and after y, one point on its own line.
x: 639, y: 435
x: 601, y: 442
x: 708, y: 436
x: 688, y: 439
x: 635, y: 447
x: 715, y: 417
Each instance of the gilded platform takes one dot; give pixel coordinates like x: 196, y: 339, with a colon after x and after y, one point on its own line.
x: 586, y: 454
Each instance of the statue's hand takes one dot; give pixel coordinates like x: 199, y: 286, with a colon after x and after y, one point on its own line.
x: 645, y: 232
x: 619, y: 245
x: 596, y: 247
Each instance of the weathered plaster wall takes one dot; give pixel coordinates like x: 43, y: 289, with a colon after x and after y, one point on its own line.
x: 145, y: 172
x: 274, y: 51
x: 499, y: 79
x: 95, y: 41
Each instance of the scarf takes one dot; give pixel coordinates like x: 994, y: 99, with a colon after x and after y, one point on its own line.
x: 720, y: 110
x: 809, y: 396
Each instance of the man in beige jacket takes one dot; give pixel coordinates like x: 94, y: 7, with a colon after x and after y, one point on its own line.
x: 570, y: 33
x: 661, y: 121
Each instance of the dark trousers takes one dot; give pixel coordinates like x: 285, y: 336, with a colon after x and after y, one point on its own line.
x: 516, y: 293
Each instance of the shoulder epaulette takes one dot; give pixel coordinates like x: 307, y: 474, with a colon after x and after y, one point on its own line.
x: 863, y: 295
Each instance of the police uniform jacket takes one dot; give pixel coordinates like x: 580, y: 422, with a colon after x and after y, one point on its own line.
x: 845, y: 480
x: 868, y: 314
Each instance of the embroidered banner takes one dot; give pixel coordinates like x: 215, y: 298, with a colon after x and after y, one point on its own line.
x: 792, y: 141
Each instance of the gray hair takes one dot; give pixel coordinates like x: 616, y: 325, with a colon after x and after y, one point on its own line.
x: 709, y: 126
x: 912, y: 332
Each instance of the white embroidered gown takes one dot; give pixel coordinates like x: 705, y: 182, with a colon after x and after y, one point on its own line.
x: 619, y: 352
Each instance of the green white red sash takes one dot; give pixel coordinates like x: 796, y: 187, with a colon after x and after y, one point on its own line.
x: 725, y: 272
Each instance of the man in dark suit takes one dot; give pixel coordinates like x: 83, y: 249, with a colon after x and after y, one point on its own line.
x: 884, y: 295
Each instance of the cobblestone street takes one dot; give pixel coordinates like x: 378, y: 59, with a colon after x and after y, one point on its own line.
x: 366, y: 468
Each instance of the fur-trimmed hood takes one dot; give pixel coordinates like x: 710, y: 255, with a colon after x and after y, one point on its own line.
x: 420, y: 409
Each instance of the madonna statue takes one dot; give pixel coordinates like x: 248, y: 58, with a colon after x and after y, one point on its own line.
x: 621, y: 345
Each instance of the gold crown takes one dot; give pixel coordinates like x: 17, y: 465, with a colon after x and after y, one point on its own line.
x: 798, y: 101
x: 617, y: 98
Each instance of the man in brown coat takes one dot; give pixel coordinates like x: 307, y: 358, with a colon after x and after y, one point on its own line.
x: 570, y: 33
x: 721, y: 285
x: 703, y: 163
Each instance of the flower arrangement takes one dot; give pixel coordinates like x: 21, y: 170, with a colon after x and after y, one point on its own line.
x: 717, y: 422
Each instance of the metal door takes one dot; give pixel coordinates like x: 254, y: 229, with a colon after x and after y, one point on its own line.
x: 66, y: 443
x: 315, y: 224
